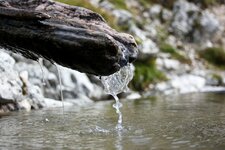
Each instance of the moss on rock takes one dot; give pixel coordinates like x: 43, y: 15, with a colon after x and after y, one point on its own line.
x: 218, y: 78
x: 214, y: 55
x: 146, y: 73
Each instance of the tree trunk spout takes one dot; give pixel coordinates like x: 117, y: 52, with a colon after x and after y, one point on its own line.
x: 71, y: 36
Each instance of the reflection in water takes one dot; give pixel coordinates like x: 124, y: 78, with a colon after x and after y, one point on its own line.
x: 118, y: 143
x: 194, y: 121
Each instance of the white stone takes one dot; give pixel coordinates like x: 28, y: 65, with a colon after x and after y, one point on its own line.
x: 51, y: 103
x: 155, y: 11
x: 163, y: 86
x: 151, y: 28
x: 209, y: 22
x: 188, y: 83
x: 186, y: 16
x: 107, y: 6
x: 166, y: 15
x: 122, y: 16
x: 138, y: 32
x: 169, y: 64
x: 25, y: 104
x: 133, y: 96
x: 149, y: 47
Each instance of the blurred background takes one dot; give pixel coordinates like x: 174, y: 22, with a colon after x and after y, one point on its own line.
x: 181, y: 53
x: 181, y: 50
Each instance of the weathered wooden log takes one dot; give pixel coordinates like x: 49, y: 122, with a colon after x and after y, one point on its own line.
x: 71, y: 36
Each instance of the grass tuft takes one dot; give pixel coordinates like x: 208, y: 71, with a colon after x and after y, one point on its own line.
x: 214, y: 55
x: 146, y: 73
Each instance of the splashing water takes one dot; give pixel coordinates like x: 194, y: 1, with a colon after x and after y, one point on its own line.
x: 117, y: 83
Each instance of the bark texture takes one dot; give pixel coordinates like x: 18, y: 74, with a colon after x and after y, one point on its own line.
x: 71, y: 36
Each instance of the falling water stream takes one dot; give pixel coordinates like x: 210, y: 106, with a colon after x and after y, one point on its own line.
x: 40, y: 62
x: 115, y: 84
x: 60, y: 88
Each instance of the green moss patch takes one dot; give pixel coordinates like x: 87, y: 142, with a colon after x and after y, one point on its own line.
x: 206, y: 3
x: 218, y: 78
x: 214, y: 55
x: 146, y: 73
x: 165, y: 3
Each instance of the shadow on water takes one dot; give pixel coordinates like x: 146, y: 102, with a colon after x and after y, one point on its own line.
x: 191, y: 121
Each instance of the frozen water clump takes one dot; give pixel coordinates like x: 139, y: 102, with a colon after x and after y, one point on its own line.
x: 117, y: 82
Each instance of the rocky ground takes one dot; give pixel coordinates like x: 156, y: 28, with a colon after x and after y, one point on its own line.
x: 181, y: 51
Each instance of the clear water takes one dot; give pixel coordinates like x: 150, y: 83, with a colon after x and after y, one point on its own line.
x: 186, y: 122
x: 117, y: 83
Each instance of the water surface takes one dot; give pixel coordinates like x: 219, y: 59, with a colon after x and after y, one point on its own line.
x: 192, y: 121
